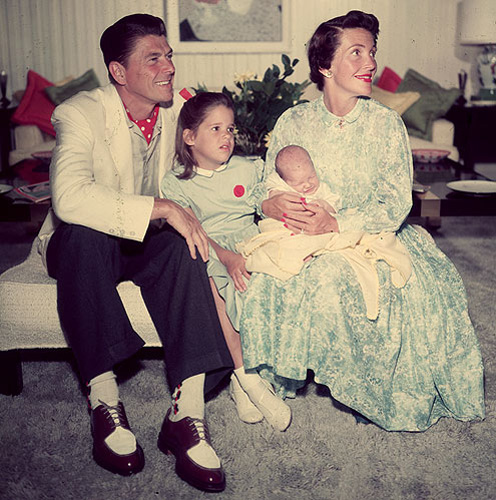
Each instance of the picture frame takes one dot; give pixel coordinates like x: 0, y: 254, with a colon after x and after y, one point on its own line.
x: 173, y: 21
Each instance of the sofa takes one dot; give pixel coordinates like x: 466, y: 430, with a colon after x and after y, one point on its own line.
x: 29, y: 318
x: 421, y: 102
x: 33, y: 130
x: 29, y: 140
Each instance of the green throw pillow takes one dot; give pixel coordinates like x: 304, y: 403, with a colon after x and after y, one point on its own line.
x: 86, y: 81
x: 434, y: 102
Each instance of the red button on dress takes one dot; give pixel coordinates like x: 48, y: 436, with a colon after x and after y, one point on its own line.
x: 239, y: 191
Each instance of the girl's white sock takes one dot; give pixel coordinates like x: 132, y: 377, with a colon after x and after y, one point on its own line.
x: 250, y: 382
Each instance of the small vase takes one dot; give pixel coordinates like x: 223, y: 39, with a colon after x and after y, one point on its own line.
x: 3, y: 88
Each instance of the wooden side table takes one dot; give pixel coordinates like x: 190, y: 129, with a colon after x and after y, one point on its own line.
x: 14, y: 209
x: 441, y: 201
x: 5, y: 136
x: 474, y: 133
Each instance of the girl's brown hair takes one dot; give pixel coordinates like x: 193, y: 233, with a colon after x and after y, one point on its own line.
x: 192, y: 114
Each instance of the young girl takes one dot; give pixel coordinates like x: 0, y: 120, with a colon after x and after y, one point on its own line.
x: 221, y: 192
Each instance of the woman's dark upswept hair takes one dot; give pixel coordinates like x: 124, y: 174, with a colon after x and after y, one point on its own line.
x: 118, y: 41
x: 192, y: 114
x: 327, y: 38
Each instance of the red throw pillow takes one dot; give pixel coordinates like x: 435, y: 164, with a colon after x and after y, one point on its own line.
x: 389, y: 80
x: 35, y: 107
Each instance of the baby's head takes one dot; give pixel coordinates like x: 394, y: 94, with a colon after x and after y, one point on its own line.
x: 295, y: 167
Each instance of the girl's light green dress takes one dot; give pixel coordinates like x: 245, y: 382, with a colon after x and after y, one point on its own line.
x: 419, y: 360
x: 224, y: 201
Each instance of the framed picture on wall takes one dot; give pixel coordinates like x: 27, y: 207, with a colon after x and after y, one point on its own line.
x: 227, y: 26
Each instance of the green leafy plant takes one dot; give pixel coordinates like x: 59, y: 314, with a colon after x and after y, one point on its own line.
x: 258, y: 103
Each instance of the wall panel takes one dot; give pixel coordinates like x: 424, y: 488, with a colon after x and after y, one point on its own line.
x: 57, y: 38
x: 60, y: 37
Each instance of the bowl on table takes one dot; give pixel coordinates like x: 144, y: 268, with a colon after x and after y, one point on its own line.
x: 429, y: 155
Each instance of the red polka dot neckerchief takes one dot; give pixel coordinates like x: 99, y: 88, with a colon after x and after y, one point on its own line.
x: 146, y: 125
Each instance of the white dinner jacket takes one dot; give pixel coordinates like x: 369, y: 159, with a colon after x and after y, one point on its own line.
x: 91, y: 173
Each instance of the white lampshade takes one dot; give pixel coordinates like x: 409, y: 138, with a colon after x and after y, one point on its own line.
x: 478, y: 22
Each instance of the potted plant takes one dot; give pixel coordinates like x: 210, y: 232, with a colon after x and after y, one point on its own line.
x: 258, y: 103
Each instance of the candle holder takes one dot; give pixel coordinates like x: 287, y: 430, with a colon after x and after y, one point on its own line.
x: 3, y: 88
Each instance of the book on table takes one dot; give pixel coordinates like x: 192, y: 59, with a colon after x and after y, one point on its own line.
x: 40, y: 191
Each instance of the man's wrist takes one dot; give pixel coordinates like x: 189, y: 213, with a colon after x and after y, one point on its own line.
x: 161, y: 208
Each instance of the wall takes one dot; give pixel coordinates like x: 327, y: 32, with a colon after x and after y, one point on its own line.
x: 60, y: 37
x: 57, y: 38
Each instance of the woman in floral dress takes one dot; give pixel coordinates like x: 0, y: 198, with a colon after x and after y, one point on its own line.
x: 419, y: 360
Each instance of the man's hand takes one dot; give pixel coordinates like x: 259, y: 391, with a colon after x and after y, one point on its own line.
x: 298, y: 216
x: 185, y: 223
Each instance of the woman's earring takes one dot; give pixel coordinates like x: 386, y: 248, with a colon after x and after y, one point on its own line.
x: 328, y: 74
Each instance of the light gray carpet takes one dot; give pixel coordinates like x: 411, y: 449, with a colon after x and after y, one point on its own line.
x: 325, y: 454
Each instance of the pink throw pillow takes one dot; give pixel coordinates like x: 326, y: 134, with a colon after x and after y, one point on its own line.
x: 388, y: 80
x: 35, y: 107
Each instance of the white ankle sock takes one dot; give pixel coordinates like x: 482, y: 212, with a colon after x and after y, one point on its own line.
x: 188, y: 399
x: 104, y: 389
x: 250, y: 382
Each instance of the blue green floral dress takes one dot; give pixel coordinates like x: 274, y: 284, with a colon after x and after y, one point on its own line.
x: 419, y: 360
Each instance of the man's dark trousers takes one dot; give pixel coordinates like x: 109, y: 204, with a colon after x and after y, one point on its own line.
x: 89, y: 264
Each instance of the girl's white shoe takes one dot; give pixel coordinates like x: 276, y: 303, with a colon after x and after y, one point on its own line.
x: 273, y: 408
x: 247, y: 411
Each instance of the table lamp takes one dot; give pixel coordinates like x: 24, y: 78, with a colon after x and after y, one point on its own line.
x: 478, y: 27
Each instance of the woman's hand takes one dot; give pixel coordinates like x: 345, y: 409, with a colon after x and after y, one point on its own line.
x: 320, y: 222
x: 299, y: 216
x: 185, y: 223
x: 282, y: 205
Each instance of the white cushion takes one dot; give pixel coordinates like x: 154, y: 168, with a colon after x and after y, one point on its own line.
x: 399, y: 101
x: 416, y: 143
x: 443, y: 131
x: 29, y: 139
x: 28, y: 302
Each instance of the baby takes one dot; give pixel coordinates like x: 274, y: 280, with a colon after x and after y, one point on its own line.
x: 295, y: 172
x: 279, y: 252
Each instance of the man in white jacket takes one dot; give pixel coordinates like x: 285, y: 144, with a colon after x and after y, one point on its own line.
x: 108, y: 224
